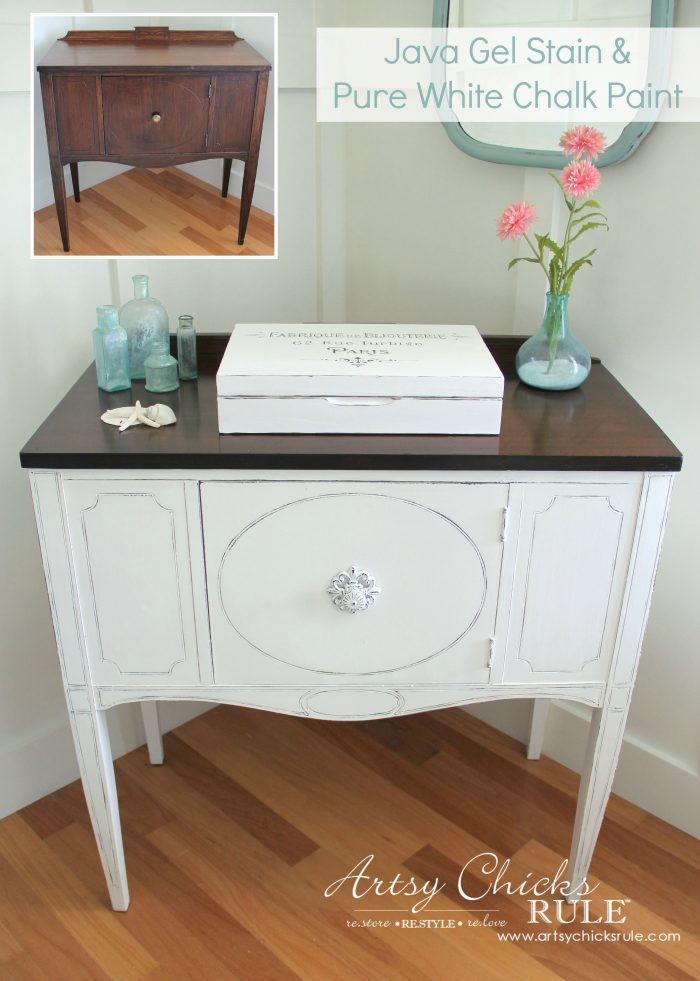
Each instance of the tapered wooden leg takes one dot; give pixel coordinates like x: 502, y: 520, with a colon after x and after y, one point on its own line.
x: 57, y: 177
x: 74, y: 181
x: 227, y: 174
x: 538, y: 724
x: 154, y: 740
x: 604, y: 742
x: 251, y: 164
x: 246, y: 198
x: 97, y: 774
x: 59, y: 193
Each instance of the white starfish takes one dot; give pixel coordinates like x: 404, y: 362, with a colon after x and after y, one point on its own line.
x: 133, y: 415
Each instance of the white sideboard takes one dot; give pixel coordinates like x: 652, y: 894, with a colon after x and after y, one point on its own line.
x: 219, y: 586
x: 350, y: 577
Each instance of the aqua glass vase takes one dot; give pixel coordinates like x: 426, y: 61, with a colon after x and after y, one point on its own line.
x: 186, y: 347
x: 161, y: 370
x: 553, y: 359
x: 111, y: 347
x: 145, y: 320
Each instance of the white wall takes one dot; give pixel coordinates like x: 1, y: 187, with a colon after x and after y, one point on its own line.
x: 422, y: 246
x: 257, y: 30
x: 48, y: 312
x: 379, y: 223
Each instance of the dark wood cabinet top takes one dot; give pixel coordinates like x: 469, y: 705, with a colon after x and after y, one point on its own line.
x: 596, y: 427
x: 129, y: 51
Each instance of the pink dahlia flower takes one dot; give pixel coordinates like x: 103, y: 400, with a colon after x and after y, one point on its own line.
x: 580, y: 178
x: 581, y: 140
x: 515, y: 220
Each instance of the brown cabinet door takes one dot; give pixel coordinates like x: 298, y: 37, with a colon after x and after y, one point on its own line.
x: 234, y: 103
x: 155, y: 113
x: 76, y: 114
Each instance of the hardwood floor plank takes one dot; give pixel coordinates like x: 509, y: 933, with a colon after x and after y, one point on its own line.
x: 184, y: 930
x: 259, y: 820
x: 109, y: 211
x: 289, y: 771
x: 209, y: 246
x: 102, y: 935
x: 231, y: 845
x: 47, y: 816
x: 154, y: 212
x: 288, y: 916
x: 683, y: 957
x: 460, y: 952
x: 46, y: 948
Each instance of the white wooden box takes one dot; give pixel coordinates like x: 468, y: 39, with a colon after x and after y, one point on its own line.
x: 358, y: 378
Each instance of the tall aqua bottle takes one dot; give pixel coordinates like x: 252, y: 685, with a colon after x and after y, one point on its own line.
x: 186, y: 347
x: 146, y: 322
x: 111, y: 347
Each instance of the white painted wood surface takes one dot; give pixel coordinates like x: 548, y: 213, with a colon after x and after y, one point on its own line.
x: 151, y: 726
x: 538, y: 726
x: 492, y: 586
x: 273, y: 549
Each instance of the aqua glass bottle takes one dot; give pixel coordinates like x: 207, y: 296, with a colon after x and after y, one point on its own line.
x: 161, y: 370
x: 111, y: 347
x: 186, y: 347
x: 146, y: 322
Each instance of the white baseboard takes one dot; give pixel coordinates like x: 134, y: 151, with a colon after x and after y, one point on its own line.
x: 645, y: 775
x: 44, y: 761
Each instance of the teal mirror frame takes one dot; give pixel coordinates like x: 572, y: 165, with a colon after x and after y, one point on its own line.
x: 623, y: 147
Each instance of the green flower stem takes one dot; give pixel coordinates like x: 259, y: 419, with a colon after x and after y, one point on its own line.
x: 552, y: 328
x: 565, y: 250
x: 537, y: 255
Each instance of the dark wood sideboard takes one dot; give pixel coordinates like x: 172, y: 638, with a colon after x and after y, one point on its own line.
x: 153, y: 97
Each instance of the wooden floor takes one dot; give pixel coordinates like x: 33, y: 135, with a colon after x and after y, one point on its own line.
x: 231, y: 845
x: 154, y: 212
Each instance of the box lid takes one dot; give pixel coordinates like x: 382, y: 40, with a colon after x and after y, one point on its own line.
x: 419, y: 360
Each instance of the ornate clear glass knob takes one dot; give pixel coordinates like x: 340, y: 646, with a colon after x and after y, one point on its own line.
x: 353, y: 590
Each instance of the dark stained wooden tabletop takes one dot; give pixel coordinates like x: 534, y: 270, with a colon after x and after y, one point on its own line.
x: 596, y: 427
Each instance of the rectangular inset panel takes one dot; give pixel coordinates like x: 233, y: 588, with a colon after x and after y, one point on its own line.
x: 234, y: 102
x: 130, y: 543
x: 571, y: 567
x: 155, y: 114
x: 361, y: 584
x: 76, y: 114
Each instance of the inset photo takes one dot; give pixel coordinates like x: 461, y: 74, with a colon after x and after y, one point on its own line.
x: 154, y: 135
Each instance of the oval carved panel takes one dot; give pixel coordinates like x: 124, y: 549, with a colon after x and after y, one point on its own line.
x: 358, y: 703
x: 274, y: 575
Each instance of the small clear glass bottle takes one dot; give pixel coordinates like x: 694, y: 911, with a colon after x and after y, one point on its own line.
x: 161, y: 370
x: 186, y: 347
x: 111, y: 346
x: 145, y: 320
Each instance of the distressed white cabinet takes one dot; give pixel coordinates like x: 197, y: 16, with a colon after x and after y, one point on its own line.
x: 273, y: 550
x: 130, y: 544
x: 183, y: 568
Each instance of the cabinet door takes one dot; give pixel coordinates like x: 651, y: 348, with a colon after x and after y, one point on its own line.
x: 572, y: 557
x: 76, y: 114
x: 320, y: 582
x: 130, y: 549
x: 155, y: 113
x: 234, y: 103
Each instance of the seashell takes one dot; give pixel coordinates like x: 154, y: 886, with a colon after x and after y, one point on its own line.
x: 154, y: 416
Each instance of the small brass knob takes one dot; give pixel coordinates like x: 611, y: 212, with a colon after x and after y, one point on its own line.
x: 156, y: 117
